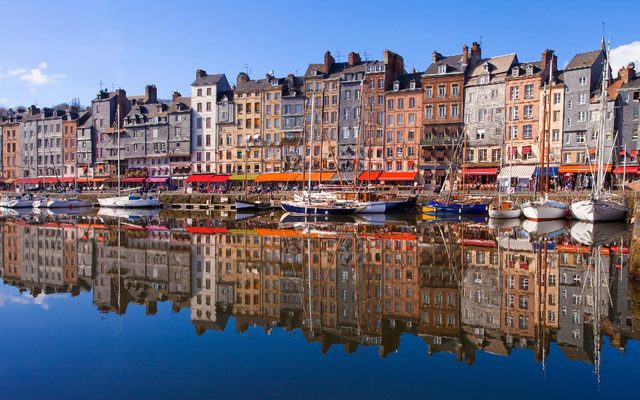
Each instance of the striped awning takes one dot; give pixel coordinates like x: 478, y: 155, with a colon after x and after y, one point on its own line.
x: 517, y: 171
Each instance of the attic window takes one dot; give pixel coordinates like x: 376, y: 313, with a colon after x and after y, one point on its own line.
x: 442, y: 69
x: 484, y: 78
x: 485, y: 67
x: 529, y: 70
x: 412, y: 85
x: 515, y: 71
x: 396, y: 86
x: 314, y: 72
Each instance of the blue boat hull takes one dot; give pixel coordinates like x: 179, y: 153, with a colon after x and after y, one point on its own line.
x: 458, y: 208
x: 317, y: 210
x: 401, y: 205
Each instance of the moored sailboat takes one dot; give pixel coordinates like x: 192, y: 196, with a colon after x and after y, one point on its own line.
x: 600, y: 206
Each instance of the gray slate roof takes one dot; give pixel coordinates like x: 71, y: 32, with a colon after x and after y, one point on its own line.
x: 208, y: 80
x: 583, y: 60
x: 454, y: 65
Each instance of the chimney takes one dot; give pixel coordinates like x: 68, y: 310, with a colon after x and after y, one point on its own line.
x: 176, y: 96
x: 435, y: 57
x: 465, y: 54
x: 328, y: 62
x: 242, y: 77
x: 627, y: 73
x: 546, y: 59
x: 353, y: 59
x: 291, y: 81
x: 150, y: 94
x: 476, y: 52
x: 33, y: 110
x: 200, y: 73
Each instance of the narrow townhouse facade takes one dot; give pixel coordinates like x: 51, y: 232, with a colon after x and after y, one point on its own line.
x: 85, y: 148
x: 404, y: 110
x: 108, y: 110
x: 350, y: 140
x: 205, y: 90
x: 42, y: 155
x: 71, y: 120
x: 442, y: 132
x: 272, y: 123
x: 379, y: 76
x: 628, y: 114
x: 582, y: 78
x: 292, y: 124
x: 484, y: 116
x: 228, y: 135
x: 249, y: 96
x: 556, y: 91
x: 11, y: 146
x: 524, y: 85
x: 179, y: 146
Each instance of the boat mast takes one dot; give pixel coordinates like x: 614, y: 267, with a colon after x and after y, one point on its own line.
x: 464, y: 158
x: 118, y: 140
x: 313, y: 109
x: 542, y: 150
x: 358, y: 133
x: 547, y: 132
x: 598, y: 185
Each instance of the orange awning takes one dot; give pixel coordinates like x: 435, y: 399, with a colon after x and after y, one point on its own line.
x: 369, y: 176
x: 278, y: 177
x: 315, y: 176
x: 397, y: 176
x: 278, y: 232
x: 572, y: 169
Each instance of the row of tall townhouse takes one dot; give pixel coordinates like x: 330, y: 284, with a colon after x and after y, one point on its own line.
x: 356, y: 115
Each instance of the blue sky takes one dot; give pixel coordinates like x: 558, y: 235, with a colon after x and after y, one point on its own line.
x: 56, y: 50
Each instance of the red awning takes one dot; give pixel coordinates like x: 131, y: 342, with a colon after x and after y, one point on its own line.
x: 206, y: 230
x: 634, y: 153
x: 67, y: 179
x: 206, y: 178
x: 131, y: 180
x: 158, y: 179
x: 369, y: 176
x: 480, y: 171
x: 622, y: 153
x: 513, y: 150
x: 526, y: 149
x: 397, y: 176
x: 35, y: 181
x: 629, y: 169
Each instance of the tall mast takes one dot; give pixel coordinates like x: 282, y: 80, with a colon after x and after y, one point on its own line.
x: 118, y: 141
x: 358, y: 133
x: 598, y: 186
x: 543, y: 149
x: 548, y: 129
x: 313, y: 109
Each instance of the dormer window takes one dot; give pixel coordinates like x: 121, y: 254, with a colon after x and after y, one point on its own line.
x: 485, y: 67
x: 515, y: 71
x: 442, y: 69
x: 412, y: 85
x: 529, y: 69
x: 482, y: 79
x: 396, y: 86
x: 314, y: 72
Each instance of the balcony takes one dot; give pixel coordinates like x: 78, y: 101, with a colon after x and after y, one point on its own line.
x: 439, y: 142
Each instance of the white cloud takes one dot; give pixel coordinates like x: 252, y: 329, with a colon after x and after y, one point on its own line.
x: 624, y: 54
x: 24, y: 299
x: 35, y: 77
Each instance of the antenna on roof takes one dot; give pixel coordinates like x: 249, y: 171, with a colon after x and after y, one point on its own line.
x: 602, y: 44
x: 412, y: 63
x: 480, y: 40
x: 100, y: 83
x: 366, y: 55
x: 338, y: 55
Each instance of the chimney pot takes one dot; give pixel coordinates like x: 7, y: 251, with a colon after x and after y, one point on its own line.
x: 200, y: 73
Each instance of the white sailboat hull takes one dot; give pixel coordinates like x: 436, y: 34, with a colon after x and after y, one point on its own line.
x: 599, y: 210
x: 67, y: 203
x: 129, y: 202
x: 544, y: 210
x: 371, y: 207
x: 20, y: 204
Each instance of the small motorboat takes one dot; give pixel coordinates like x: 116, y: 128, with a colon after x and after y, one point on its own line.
x: 545, y: 210
x: 505, y: 209
x: 131, y: 201
x: 458, y: 207
x: 25, y: 201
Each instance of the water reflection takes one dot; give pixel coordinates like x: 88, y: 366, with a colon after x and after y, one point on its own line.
x: 461, y: 286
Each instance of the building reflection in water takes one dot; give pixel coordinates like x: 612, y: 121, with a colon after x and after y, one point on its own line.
x: 461, y: 287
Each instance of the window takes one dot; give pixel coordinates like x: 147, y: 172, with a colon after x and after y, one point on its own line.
x: 428, y: 112
x: 515, y: 93
x: 582, y: 98
x: 582, y: 116
x: 580, y: 137
x: 412, y: 102
x: 455, y: 90
x: 390, y: 104
x: 390, y: 120
x: 568, y: 121
x: 400, y: 104
x: 556, y: 98
x: 556, y: 116
x: 442, y: 69
x: 513, y: 132
x: 442, y: 90
x: 482, y: 155
x: 480, y: 134
x: 514, y: 113
x: 454, y: 111
x: 442, y: 111
x: 528, y: 111
x: 555, y: 135
x: 428, y: 92
x: 528, y: 91
x: 527, y: 131
x: 582, y: 80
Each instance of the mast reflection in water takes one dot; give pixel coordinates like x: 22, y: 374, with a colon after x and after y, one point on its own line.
x: 458, y: 287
